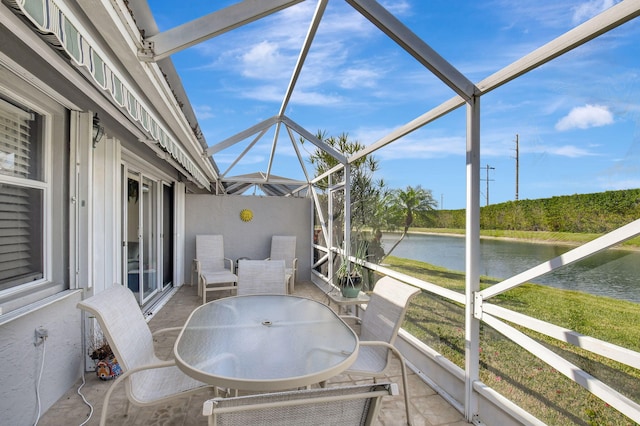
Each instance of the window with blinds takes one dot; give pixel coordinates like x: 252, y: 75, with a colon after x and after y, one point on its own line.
x: 21, y: 195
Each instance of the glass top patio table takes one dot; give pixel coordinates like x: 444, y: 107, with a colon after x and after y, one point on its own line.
x: 265, y: 343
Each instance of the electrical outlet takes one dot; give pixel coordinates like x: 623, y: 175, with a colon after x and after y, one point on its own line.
x: 41, y: 334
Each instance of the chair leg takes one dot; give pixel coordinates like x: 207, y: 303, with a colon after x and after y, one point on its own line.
x: 107, y: 397
x: 405, y: 382
x: 203, y: 289
x: 290, y: 284
x: 127, y: 407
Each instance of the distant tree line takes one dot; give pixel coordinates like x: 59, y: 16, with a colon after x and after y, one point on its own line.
x: 375, y: 207
x: 580, y: 213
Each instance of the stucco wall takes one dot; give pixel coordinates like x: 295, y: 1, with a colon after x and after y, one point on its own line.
x: 22, y: 361
x: 210, y: 214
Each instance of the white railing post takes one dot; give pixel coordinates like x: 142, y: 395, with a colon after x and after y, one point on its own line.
x: 472, y: 257
x: 347, y: 210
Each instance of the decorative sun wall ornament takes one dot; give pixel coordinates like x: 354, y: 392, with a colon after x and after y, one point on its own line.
x: 246, y: 215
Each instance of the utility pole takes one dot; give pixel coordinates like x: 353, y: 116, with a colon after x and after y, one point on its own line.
x: 487, y: 179
x: 441, y: 201
x: 517, y: 165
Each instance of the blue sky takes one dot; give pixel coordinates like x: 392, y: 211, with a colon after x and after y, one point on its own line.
x: 577, y: 118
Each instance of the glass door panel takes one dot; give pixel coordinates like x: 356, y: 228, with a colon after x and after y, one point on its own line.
x: 141, y: 235
x: 149, y: 212
x: 132, y: 235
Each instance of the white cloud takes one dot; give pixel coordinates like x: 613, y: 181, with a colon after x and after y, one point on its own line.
x: 588, y: 10
x: 265, y: 61
x: 266, y: 93
x: 204, y: 112
x: 585, y: 117
x: 420, y: 149
x: 358, y: 77
x: 570, y: 151
x: 396, y: 7
x: 302, y: 97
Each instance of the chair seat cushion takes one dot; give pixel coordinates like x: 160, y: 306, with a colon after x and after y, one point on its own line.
x: 149, y: 386
x: 371, y: 359
x: 215, y: 277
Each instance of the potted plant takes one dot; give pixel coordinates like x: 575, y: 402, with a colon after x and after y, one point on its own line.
x: 349, y: 274
x: 107, y: 366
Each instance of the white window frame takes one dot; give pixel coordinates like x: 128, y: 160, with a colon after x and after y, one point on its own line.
x: 44, y: 185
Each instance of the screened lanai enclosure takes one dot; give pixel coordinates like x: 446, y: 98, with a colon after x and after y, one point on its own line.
x: 485, y: 324
x: 349, y: 107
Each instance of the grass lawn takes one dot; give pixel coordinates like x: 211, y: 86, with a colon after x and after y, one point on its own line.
x: 514, y: 372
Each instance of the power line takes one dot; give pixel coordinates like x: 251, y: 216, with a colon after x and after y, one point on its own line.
x: 488, y: 180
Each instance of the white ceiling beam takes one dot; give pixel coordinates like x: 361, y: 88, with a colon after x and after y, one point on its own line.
x: 262, y: 180
x: 313, y: 28
x: 274, y: 144
x: 298, y: 154
x: 426, y: 118
x: 328, y: 173
x: 594, y: 27
x: 415, y: 46
x: 241, y: 136
x: 609, y: 19
x: 314, y: 140
x: 247, y: 149
x: 186, y: 35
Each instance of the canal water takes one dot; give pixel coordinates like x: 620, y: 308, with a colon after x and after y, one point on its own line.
x: 612, y: 273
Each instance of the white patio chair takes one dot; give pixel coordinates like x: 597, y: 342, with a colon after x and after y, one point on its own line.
x: 210, y: 266
x: 379, y: 327
x: 283, y: 247
x: 351, y: 405
x: 148, y: 379
x: 261, y: 277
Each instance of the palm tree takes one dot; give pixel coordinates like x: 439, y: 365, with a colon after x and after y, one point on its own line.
x: 366, y: 192
x: 405, y: 204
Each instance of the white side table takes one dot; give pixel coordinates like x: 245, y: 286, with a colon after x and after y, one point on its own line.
x: 336, y: 296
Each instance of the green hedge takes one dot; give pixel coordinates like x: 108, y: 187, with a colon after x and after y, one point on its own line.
x: 581, y: 213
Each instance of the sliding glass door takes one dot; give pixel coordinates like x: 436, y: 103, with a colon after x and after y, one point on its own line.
x: 148, y: 228
x: 140, y: 235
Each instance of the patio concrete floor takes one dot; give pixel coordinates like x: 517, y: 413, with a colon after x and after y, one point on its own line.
x: 427, y: 407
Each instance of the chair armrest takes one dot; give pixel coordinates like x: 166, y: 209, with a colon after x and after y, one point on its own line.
x: 162, y: 364
x: 294, y: 266
x: 346, y: 318
x: 125, y: 375
x: 403, y: 367
x: 195, y: 269
x: 231, y: 266
x: 379, y: 343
